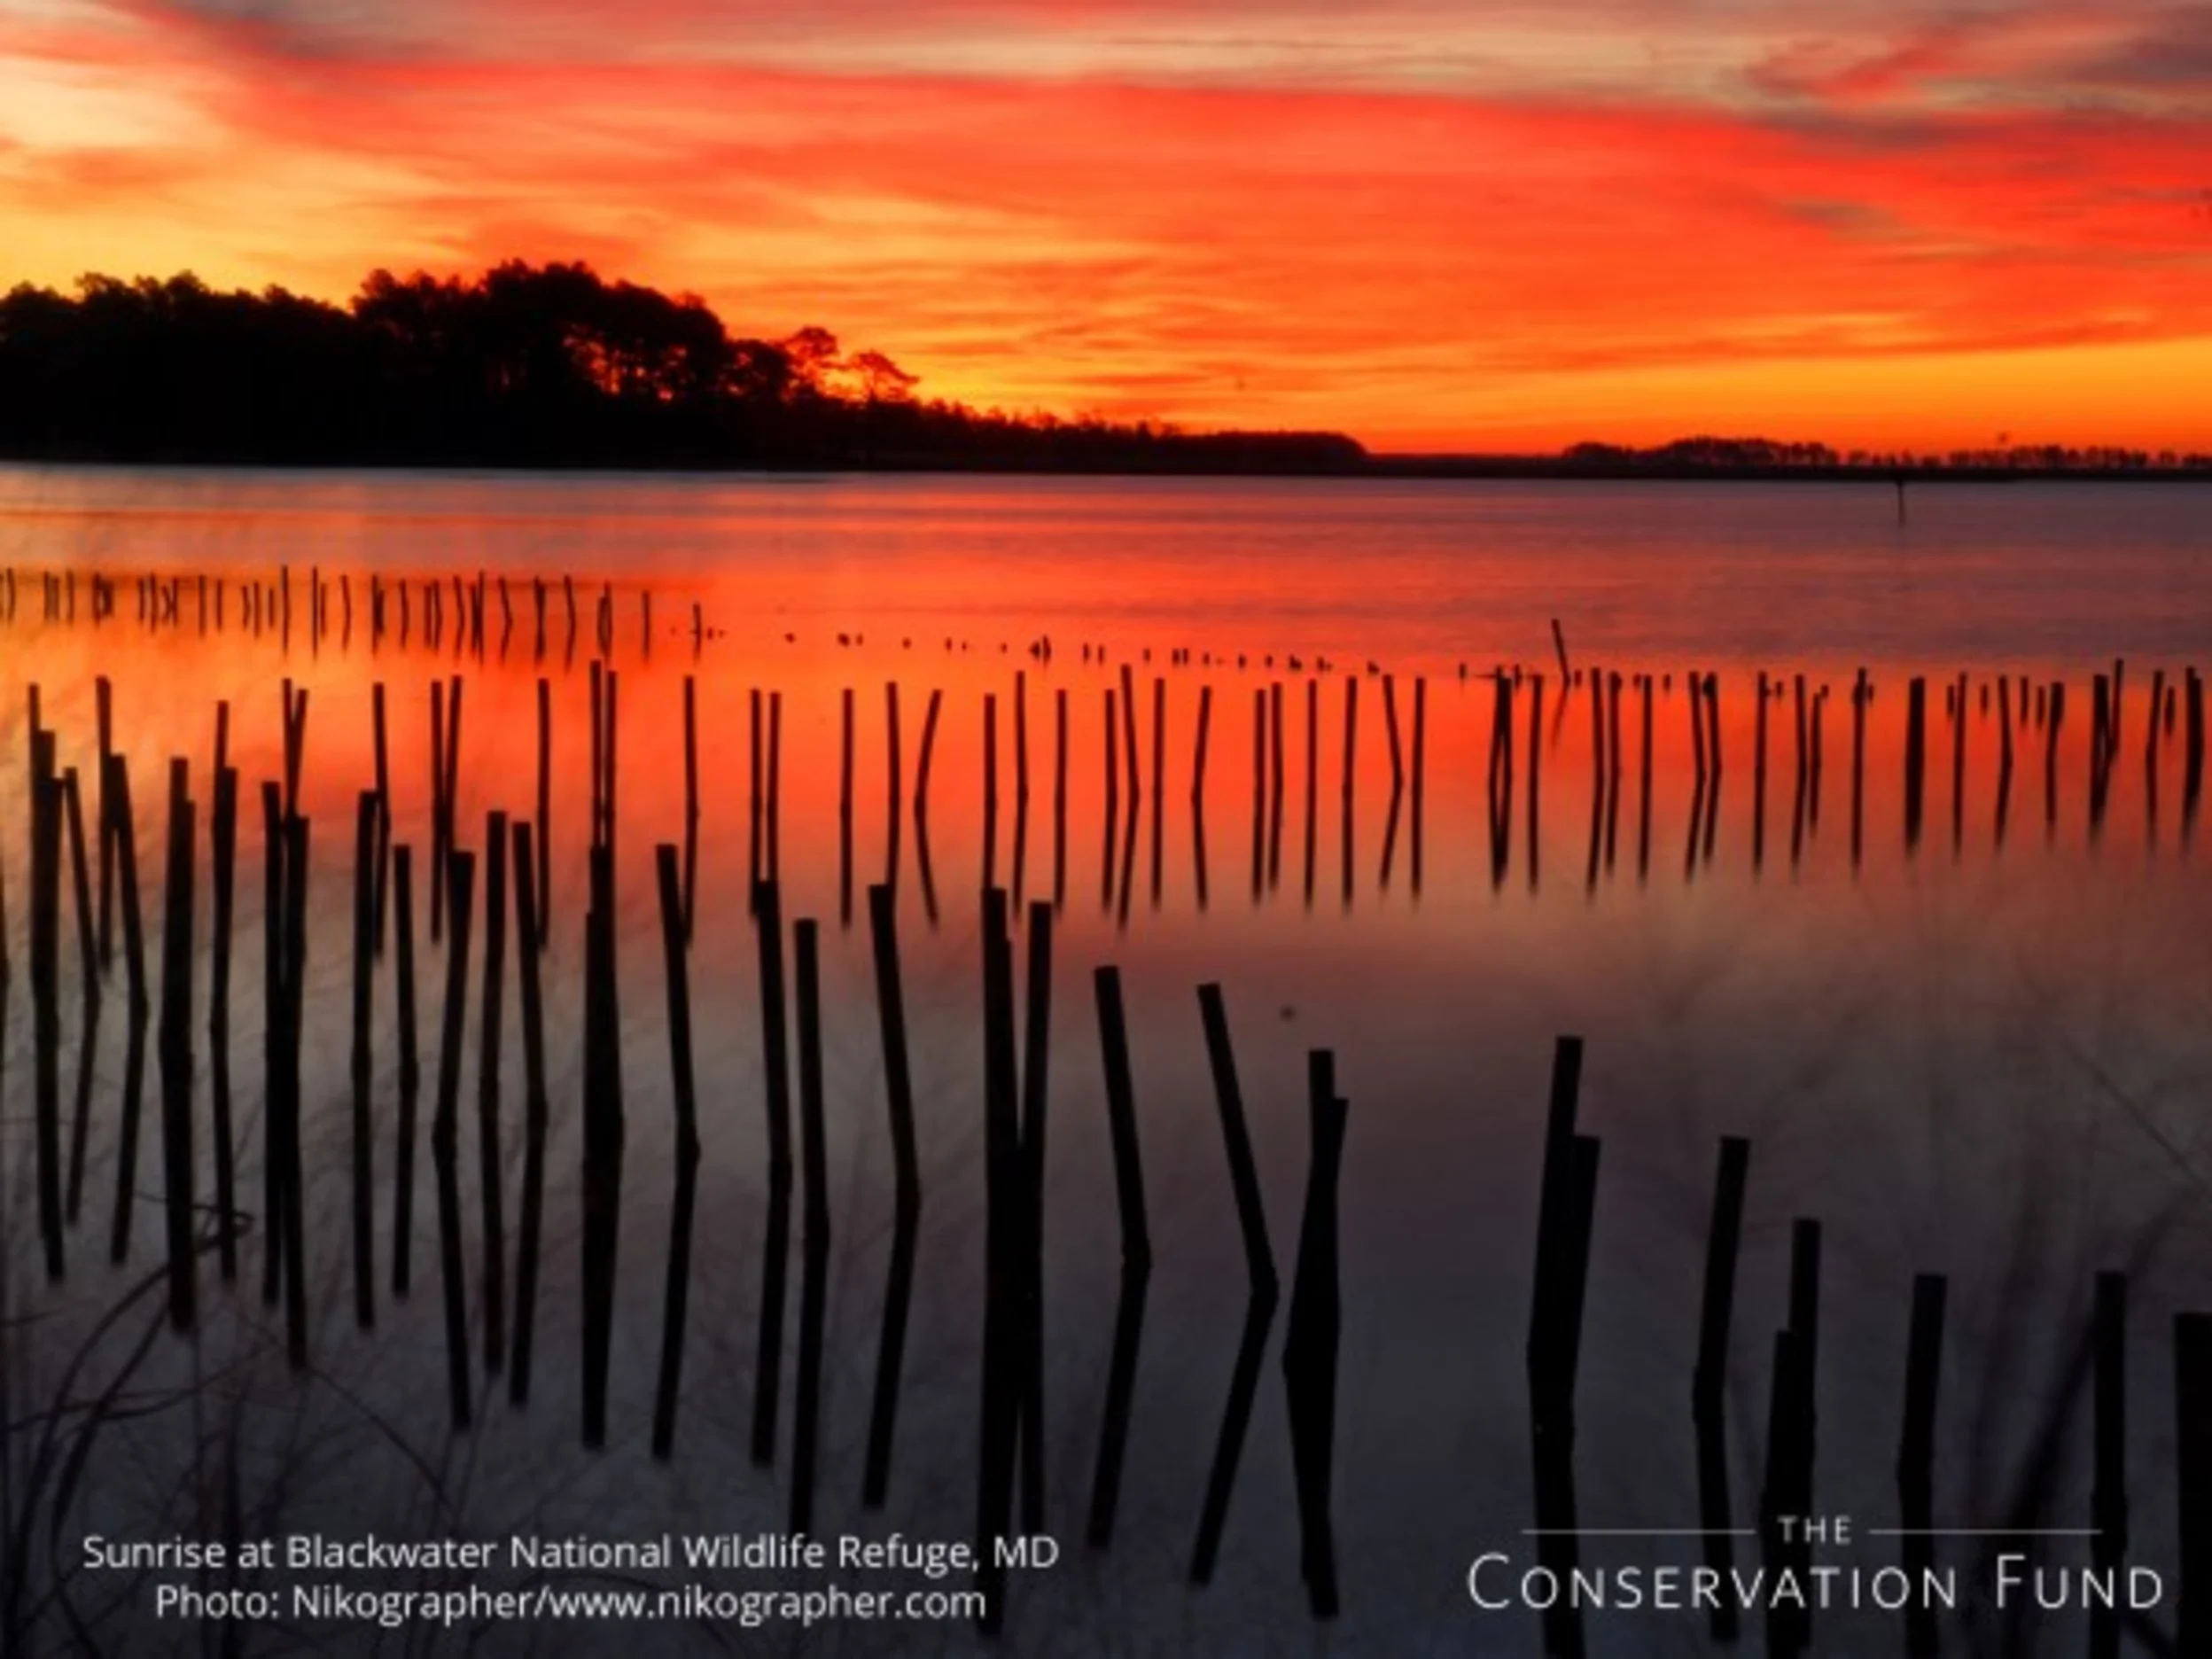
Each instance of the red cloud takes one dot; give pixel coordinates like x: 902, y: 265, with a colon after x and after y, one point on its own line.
x: 1361, y: 257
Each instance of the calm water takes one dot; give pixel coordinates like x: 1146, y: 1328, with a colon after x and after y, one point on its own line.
x: 1979, y: 1050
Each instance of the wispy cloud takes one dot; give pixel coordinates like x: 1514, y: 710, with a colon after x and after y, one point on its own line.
x: 1403, y: 222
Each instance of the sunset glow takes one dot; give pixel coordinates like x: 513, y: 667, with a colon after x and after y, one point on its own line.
x: 1433, y: 226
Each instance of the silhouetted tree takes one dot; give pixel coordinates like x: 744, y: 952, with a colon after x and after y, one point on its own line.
x: 527, y: 364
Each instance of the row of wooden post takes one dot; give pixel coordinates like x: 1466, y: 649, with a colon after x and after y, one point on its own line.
x: 266, y: 607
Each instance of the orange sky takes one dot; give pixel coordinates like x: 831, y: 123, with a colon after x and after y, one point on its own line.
x: 1434, y: 223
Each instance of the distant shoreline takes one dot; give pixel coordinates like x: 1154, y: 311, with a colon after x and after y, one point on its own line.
x: 1562, y: 468
x: 1446, y: 468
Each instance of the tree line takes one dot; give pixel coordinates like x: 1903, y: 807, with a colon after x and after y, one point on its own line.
x: 524, y: 365
x: 1737, y: 454
x: 556, y: 366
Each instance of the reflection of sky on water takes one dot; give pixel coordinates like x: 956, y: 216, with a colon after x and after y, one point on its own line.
x: 1969, y: 1058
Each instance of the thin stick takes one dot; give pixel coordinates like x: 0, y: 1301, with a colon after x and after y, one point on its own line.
x: 88, y: 954
x: 922, y: 768
x: 135, y: 957
x: 296, y: 844
x: 381, y: 899
x: 898, y: 1092
x: 814, y: 1292
x: 673, y: 922
x: 176, y: 1055
x: 530, y: 925
x: 365, y: 843
x: 768, y: 914
x: 410, y: 1069
x: 1244, y: 1172
x: 1136, y: 1255
x: 1036, y: 1082
x: 540, y: 929
x: 490, y: 1162
x: 445, y: 1136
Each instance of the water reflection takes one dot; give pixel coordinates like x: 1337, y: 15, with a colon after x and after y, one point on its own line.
x: 1879, y: 1016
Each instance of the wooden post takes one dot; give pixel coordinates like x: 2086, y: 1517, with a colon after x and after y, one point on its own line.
x: 541, y: 929
x: 1555, y: 1203
x: 1159, y: 780
x: 273, y: 1001
x: 1709, y: 1386
x: 990, y: 787
x: 2050, y: 756
x: 410, y: 1070
x: 294, y: 1189
x: 1244, y: 1173
x: 1136, y: 1254
x: 1352, y: 771
x: 365, y: 843
x: 898, y: 1092
x: 1759, y: 780
x: 922, y: 766
x: 1021, y: 734
x: 1275, y: 784
x: 445, y: 1136
x: 1260, y: 1303
x: 845, y: 806
x: 891, y: 813
x: 1036, y: 1081
x: 1005, y: 1352
x: 104, y: 702
x: 2192, y: 783
x: 603, y: 1134
x: 1915, y: 757
x: 814, y: 1284
x: 1792, y: 1430
x: 296, y: 744
x: 674, y: 921
x: 1787, y: 1626
x: 125, y: 832
x: 1198, y: 758
x: 46, y: 824
x: 1129, y: 733
x: 610, y: 759
x: 1722, y: 1239
x: 530, y: 926
x: 177, y: 1054
x: 1313, y: 778
x: 438, y: 829
x: 1859, y: 697
x: 88, y: 969
x: 490, y: 1161
x: 1389, y: 723
x: 1958, y: 769
x: 1421, y: 730
x: 1113, y: 796
x: 1260, y: 791
x: 1310, y: 1343
x: 1916, y: 1454
x: 1060, y: 798
x: 768, y: 923
x: 452, y: 757
x: 380, y: 898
